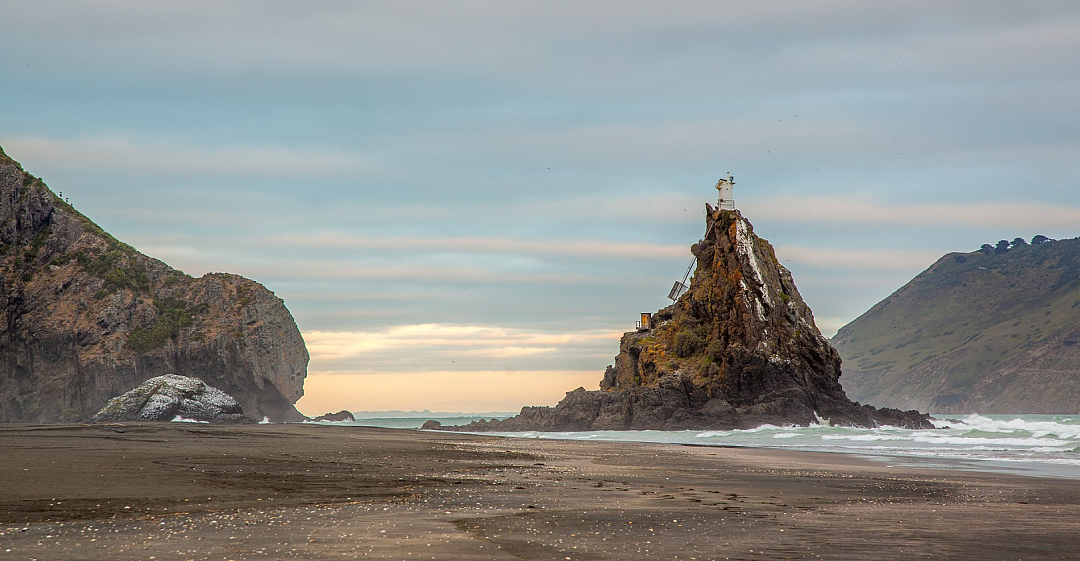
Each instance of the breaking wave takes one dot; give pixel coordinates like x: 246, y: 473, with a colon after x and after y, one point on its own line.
x: 1031, y: 444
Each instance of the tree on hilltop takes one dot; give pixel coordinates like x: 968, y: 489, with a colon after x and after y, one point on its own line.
x: 1002, y: 246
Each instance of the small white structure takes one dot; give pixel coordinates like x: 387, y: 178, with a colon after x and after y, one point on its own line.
x: 725, y: 187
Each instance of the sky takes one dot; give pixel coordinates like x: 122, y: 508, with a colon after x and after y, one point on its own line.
x: 465, y: 204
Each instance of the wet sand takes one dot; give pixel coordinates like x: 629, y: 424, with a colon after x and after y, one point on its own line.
x: 179, y: 491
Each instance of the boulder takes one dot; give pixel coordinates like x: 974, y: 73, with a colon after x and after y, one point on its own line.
x: 172, y: 398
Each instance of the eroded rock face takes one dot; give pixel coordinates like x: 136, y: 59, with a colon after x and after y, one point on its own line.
x: 86, y: 317
x: 738, y: 350
x: 172, y: 398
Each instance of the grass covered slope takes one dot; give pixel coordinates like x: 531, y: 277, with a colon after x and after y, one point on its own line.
x: 990, y: 331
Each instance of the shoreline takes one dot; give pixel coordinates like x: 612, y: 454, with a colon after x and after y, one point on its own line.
x: 1017, y: 468
x: 300, y: 491
x: 897, y: 458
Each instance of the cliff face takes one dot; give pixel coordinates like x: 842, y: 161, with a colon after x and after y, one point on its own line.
x: 738, y: 350
x: 742, y: 332
x: 86, y: 318
x: 982, y: 332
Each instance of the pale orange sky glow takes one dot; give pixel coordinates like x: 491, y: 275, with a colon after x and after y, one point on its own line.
x: 446, y: 367
x: 482, y: 391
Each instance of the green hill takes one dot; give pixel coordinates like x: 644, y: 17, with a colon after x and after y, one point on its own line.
x: 993, y: 331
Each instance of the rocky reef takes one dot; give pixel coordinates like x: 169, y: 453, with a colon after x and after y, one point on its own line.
x: 171, y: 398
x: 342, y: 416
x: 86, y: 317
x: 737, y: 350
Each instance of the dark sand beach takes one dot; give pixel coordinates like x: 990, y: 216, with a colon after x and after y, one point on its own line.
x: 183, y: 491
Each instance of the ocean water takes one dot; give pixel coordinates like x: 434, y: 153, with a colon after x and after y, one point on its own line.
x: 1042, y: 445
x: 405, y: 421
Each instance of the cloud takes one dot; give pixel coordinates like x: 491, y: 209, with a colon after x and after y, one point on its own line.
x: 451, y: 367
x: 465, y: 391
x: 506, y: 352
x: 493, y: 244
x: 883, y: 259
x: 442, y: 342
x: 330, y: 270
x: 160, y: 156
x: 336, y: 257
x: 540, y: 163
x: 861, y: 209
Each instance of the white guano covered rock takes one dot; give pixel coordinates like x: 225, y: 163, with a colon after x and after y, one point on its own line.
x: 171, y: 397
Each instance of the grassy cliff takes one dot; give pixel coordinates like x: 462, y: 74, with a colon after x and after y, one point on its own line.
x: 988, y: 331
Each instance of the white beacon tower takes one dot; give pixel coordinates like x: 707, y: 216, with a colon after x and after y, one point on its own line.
x: 725, y: 187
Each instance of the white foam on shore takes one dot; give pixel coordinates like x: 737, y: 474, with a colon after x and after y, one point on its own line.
x: 987, y: 441
x: 180, y: 419
x: 1027, y: 444
x: 1034, y: 427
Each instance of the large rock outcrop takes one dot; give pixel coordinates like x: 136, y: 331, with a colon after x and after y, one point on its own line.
x: 86, y: 318
x: 172, y: 398
x: 739, y: 349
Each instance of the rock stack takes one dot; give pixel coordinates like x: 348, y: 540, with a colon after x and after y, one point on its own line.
x: 737, y: 350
